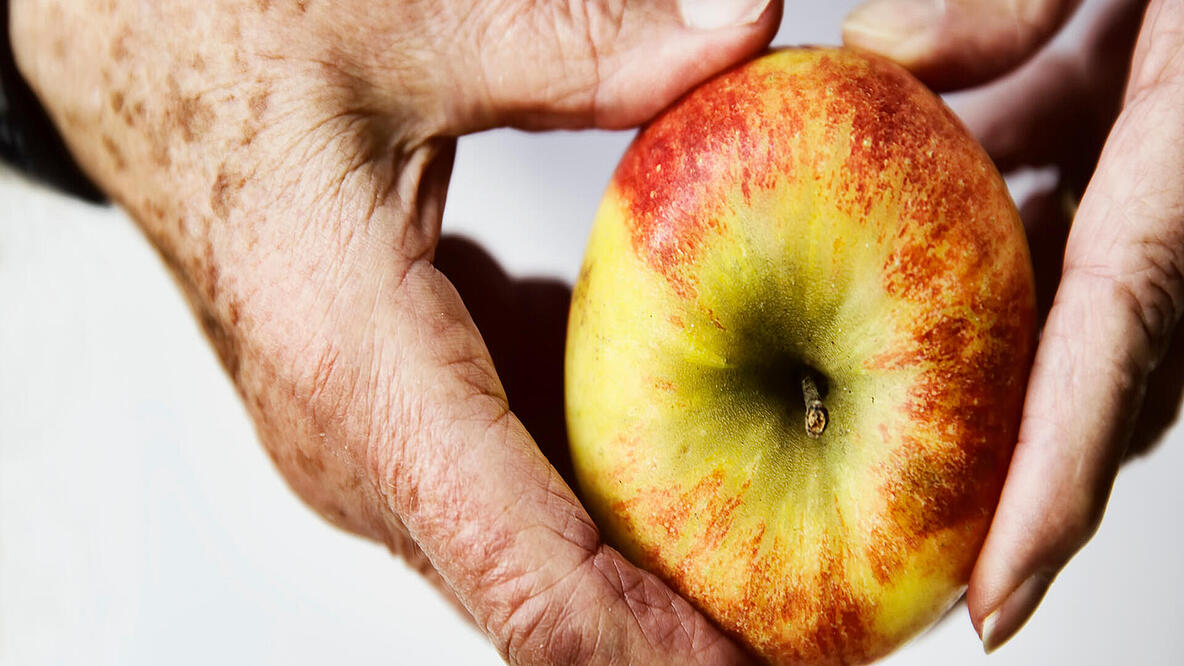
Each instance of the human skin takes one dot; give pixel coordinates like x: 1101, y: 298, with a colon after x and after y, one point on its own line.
x: 289, y: 161
x: 306, y: 285
x: 1114, y: 303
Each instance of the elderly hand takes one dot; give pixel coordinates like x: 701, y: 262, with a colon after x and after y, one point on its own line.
x: 1121, y: 286
x: 289, y: 160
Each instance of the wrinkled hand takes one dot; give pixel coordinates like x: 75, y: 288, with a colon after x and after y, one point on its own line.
x: 289, y: 160
x: 1121, y: 285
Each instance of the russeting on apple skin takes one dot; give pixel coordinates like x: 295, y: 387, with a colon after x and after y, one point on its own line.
x: 816, y: 216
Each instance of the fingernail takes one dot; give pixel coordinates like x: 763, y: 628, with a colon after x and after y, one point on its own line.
x: 715, y: 14
x: 886, y: 23
x: 1008, y: 617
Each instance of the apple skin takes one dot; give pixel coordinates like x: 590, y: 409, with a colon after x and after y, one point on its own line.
x: 813, y: 210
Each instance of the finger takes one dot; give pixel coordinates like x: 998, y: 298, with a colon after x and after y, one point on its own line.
x: 956, y: 43
x: 1058, y: 107
x: 523, y: 322
x: 558, y: 64
x: 400, y: 373
x: 458, y: 472
x: 1121, y: 294
x: 1037, y: 114
x: 500, y: 524
x: 409, y: 380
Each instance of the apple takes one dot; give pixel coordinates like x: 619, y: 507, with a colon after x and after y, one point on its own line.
x: 797, y: 353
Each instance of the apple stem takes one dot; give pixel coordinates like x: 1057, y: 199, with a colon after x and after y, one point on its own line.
x: 816, y: 414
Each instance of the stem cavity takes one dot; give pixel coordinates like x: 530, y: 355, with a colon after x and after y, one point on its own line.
x: 816, y: 414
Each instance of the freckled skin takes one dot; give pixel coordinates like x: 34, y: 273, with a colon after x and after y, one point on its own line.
x: 815, y: 208
x: 174, y: 112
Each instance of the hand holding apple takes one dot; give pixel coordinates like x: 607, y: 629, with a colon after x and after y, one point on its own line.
x: 1120, y: 292
x: 289, y: 160
x: 797, y: 353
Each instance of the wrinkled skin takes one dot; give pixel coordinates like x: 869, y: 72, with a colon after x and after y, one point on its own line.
x: 289, y: 161
x: 1112, y: 285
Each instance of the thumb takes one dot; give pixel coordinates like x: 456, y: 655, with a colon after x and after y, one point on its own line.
x: 545, y: 64
x: 956, y: 43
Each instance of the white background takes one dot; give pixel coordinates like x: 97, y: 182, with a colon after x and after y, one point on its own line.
x: 140, y: 523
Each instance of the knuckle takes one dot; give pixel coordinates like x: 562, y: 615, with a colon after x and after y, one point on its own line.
x: 544, y: 625
x: 567, y: 621
x: 549, y: 617
x: 664, y: 621
x: 546, y: 638
x: 1148, y: 291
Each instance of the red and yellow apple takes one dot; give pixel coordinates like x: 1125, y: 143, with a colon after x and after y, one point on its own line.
x: 814, y: 217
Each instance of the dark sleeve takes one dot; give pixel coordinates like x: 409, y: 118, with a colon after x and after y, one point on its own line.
x: 29, y: 142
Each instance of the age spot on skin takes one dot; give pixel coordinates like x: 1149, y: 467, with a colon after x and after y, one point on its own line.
x: 154, y: 211
x: 161, y: 155
x: 118, y: 51
x: 223, y: 193
x: 257, y: 105
x: 218, y: 197
x: 192, y: 117
x: 113, y: 151
x: 310, y: 465
x: 234, y: 310
x: 258, y: 102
